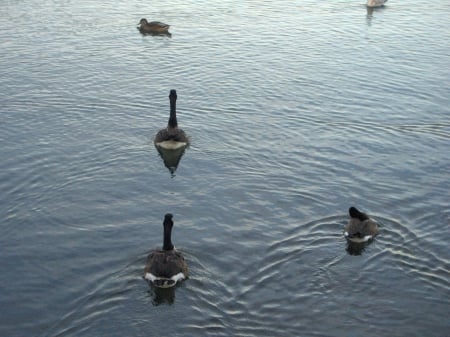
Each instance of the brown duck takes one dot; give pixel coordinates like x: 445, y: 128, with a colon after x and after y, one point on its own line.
x: 153, y: 27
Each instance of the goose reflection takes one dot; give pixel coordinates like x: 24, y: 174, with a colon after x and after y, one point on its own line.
x: 171, y: 158
x: 356, y: 248
x: 162, y: 295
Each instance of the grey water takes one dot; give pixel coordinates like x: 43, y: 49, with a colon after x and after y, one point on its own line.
x: 296, y: 110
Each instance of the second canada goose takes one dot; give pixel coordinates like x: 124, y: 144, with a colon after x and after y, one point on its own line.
x: 172, y: 137
x: 165, y: 267
x: 360, y: 227
x: 375, y: 3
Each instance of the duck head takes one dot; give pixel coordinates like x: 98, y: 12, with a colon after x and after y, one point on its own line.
x: 143, y: 22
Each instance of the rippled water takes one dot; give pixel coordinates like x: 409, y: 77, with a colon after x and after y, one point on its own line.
x: 296, y: 111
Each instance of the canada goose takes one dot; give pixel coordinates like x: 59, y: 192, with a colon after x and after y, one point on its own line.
x: 360, y: 227
x: 153, y: 27
x: 172, y: 137
x: 375, y: 3
x: 165, y: 267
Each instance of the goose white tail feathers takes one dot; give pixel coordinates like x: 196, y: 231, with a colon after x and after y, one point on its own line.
x: 358, y: 238
x: 164, y: 282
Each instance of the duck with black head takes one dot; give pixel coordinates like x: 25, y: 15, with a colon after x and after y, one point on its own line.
x: 360, y: 228
x: 172, y: 137
x: 165, y: 267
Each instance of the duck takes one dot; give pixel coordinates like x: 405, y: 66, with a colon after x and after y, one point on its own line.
x: 153, y: 27
x: 376, y: 3
x: 166, y: 267
x: 172, y: 137
x: 360, y: 227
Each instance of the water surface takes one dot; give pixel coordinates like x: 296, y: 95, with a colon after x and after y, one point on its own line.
x: 296, y: 111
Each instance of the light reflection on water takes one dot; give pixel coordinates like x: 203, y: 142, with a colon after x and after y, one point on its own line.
x: 295, y: 113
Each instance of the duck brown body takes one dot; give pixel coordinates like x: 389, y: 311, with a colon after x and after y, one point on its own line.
x: 153, y: 27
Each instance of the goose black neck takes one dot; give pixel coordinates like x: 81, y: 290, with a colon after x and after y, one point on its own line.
x: 168, y: 223
x: 173, y: 109
x: 355, y: 213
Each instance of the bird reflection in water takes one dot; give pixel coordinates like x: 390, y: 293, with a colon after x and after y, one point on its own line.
x: 162, y: 295
x: 356, y: 248
x: 370, y: 12
x: 171, y: 158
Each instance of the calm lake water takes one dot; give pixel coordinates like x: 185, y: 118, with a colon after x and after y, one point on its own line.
x: 296, y: 111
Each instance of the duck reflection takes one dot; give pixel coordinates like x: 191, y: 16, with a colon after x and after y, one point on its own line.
x: 370, y: 11
x: 171, y: 158
x: 157, y: 34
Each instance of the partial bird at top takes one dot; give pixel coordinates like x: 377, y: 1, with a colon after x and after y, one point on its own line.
x: 376, y: 3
